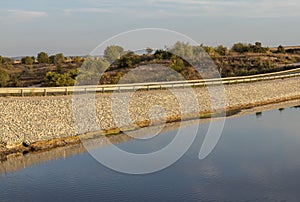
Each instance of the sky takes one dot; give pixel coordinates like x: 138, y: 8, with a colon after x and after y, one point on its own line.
x: 76, y: 27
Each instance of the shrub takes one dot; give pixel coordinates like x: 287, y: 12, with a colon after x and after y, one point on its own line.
x: 53, y: 79
x: 27, y: 60
x: 4, y: 78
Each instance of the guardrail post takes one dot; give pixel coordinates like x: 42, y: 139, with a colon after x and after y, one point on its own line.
x: 45, y: 92
x: 22, y: 92
x: 102, y: 89
x: 85, y: 90
x: 66, y: 91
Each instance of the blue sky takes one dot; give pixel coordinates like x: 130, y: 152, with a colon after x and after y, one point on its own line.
x: 76, y: 27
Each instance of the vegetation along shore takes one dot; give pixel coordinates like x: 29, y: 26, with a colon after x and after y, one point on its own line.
x: 59, y: 70
x: 37, y: 123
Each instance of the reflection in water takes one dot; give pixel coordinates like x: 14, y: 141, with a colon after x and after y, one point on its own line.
x: 19, y: 161
x: 258, y: 114
x: 281, y: 110
x: 253, y: 161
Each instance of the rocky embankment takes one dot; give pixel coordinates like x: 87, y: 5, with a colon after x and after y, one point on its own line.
x: 24, y: 121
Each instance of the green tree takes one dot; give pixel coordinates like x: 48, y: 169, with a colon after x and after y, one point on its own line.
x: 240, y: 48
x: 177, y: 63
x: 6, y: 60
x: 258, y: 48
x: 129, y: 59
x: 162, y: 55
x: 182, y: 49
x: 51, y: 59
x: 27, y: 60
x: 4, y: 78
x: 43, y: 57
x: 258, y: 44
x: 77, y: 59
x: 197, y: 50
x: 280, y: 49
x: 221, y: 50
x: 1, y: 59
x: 95, y: 66
x: 149, y: 50
x: 209, y: 50
x: 53, y: 79
x: 91, y: 71
x: 59, y: 59
x: 112, y: 53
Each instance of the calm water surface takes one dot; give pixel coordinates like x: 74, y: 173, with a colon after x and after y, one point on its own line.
x: 256, y: 159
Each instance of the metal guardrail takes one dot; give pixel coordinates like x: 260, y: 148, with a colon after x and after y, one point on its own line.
x: 149, y: 86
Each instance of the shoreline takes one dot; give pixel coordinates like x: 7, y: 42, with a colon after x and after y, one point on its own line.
x: 48, y: 145
x: 17, y: 161
x: 241, y: 99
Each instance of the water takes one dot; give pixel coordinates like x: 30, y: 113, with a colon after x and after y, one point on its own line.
x: 256, y: 159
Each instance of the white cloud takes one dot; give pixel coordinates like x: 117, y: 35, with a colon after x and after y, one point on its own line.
x: 236, y: 8
x: 28, y: 15
x: 15, y: 16
x: 86, y: 10
x: 172, y: 8
x: 183, y: 8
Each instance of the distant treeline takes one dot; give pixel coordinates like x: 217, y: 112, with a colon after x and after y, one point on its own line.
x: 58, y: 70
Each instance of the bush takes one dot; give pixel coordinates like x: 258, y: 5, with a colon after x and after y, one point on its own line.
x: 4, y: 78
x: 27, y: 60
x: 162, y: 55
x: 59, y: 59
x: 240, y: 48
x: 244, y: 48
x: 177, y: 64
x: 43, y: 57
x: 280, y: 49
x: 15, y: 81
x: 53, y: 79
x: 129, y: 60
x: 113, y: 53
x: 221, y: 50
x: 7, y: 61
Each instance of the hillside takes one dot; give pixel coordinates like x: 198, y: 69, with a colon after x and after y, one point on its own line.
x: 57, y: 70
